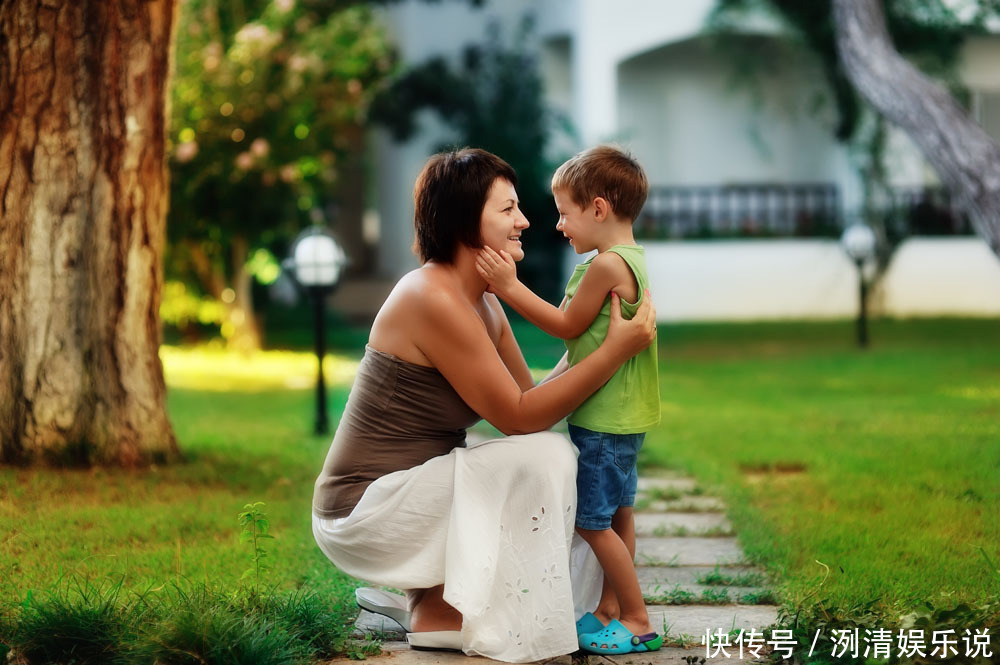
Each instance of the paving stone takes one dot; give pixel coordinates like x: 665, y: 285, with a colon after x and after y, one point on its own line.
x: 676, y: 524
x: 665, y: 656
x: 668, y: 483
x: 694, y: 620
x: 733, y: 594
x: 688, y: 551
x: 688, y: 575
x: 399, y: 651
x: 371, y: 623
x: 685, y: 504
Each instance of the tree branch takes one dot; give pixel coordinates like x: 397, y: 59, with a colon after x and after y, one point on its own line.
x: 965, y: 157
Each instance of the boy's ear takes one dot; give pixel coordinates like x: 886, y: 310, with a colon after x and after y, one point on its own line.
x: 601, y: 209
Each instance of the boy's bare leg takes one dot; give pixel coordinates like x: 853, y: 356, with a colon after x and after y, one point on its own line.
x: 607, y: 608
x: 430, y: 612
x: 623, y: 523
x: 619, y: 570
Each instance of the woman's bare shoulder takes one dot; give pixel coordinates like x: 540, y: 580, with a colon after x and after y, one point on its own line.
x: 414, y: 307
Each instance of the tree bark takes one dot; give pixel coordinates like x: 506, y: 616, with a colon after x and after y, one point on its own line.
x: 965, y: 157
x: 83, y: 200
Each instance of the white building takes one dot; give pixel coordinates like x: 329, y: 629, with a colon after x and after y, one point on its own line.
x: 642, y: 73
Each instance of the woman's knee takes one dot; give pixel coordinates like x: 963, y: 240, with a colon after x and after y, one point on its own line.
x: 552, y: 452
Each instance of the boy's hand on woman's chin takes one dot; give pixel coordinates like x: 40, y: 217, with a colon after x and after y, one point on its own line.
x: 498, y: 269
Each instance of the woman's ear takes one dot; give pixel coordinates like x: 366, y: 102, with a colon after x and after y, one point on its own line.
x: 601, y: 209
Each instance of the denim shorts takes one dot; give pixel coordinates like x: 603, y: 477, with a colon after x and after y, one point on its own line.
x: 606, y: 478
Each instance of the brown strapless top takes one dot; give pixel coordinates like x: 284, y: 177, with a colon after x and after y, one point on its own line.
x: 398, y: 416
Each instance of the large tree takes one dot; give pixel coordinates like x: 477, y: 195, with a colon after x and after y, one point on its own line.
x: 83, y: 199
x: 966, y: 159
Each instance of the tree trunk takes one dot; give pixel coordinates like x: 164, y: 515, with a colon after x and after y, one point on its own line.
x: 83, y: 200
x: 966, y: 159
x: 241, y: 311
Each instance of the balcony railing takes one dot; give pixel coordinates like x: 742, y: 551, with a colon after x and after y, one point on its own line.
x: 740, y: 210
x: 786, y: 210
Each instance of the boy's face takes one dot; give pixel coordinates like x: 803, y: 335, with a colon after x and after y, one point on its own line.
x: 575, y: 223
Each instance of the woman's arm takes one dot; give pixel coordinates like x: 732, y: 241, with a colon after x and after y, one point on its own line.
x: 454, y: 340
x: 509, y: 350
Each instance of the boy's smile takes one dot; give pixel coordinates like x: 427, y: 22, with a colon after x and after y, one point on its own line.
x: 574, y: 223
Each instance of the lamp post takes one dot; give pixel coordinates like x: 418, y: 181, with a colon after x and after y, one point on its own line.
x: 316, y: 262
x: 858, y: 240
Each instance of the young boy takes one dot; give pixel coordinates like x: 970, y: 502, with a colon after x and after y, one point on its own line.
x: 598, y: 194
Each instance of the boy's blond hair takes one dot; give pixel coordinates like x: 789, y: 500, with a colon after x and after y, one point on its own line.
x: 608, y: 172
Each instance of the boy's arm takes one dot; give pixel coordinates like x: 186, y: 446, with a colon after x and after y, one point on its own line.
x: 606, y: 272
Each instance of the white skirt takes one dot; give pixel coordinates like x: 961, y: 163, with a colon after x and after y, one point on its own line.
x: 492, y: 522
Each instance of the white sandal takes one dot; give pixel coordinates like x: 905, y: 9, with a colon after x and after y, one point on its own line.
x: 436, y: 640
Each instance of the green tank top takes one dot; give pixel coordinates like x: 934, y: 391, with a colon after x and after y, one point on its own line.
x: 630, y: 401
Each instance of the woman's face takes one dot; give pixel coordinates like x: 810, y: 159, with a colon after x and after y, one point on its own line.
x: 502, y: 221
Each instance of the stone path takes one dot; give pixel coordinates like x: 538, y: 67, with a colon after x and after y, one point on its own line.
x: 685, y: 550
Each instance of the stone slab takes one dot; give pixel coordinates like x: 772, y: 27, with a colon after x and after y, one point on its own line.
x: 677, y: 524
x: 399, y: 653
x: 691, y: 621
x: 687, y: 574
x: 685, y: 504
x: 370, y: 623
x: 688, y: 551
x: 671, y: 483
x: 665, y: 656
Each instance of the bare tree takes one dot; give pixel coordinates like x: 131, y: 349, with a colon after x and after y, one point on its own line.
x: 83, y: 199
x: 964, y: 156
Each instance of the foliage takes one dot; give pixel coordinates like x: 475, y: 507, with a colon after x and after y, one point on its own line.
x: 492, y: 98
x: 269, y: 96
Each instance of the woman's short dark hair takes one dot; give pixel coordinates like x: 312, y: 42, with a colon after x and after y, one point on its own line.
x: 448, y: 201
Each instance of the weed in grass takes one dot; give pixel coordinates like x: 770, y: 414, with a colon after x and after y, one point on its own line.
x: 764, y: 597
x: 679, y: 596
x: 642, y: 503
x: 681, y: 531
x: 648, y: 560
x: 664, y: 494
x: 718, y: 578
x: 254, y: 527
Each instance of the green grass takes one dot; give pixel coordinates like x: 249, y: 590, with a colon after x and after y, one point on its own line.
x: 883, y: 465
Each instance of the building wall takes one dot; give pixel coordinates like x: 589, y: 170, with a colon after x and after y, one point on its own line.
x: 683, y: 118
x: 814, y: 279
x: 652, y: 83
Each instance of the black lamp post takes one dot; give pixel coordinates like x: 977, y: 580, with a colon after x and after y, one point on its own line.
x: 317, y: 261
x: 859, y: 242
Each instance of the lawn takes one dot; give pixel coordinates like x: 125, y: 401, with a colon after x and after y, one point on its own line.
x: 854, y: 477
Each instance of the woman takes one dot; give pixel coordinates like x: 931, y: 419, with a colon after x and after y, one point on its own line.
x: 478, y: 535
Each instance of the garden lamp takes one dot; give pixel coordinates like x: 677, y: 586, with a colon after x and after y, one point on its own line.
x: 858, y: 240
x: 316, y: 263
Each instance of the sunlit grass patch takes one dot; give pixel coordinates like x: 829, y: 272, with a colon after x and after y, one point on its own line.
x: 214, y: 368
